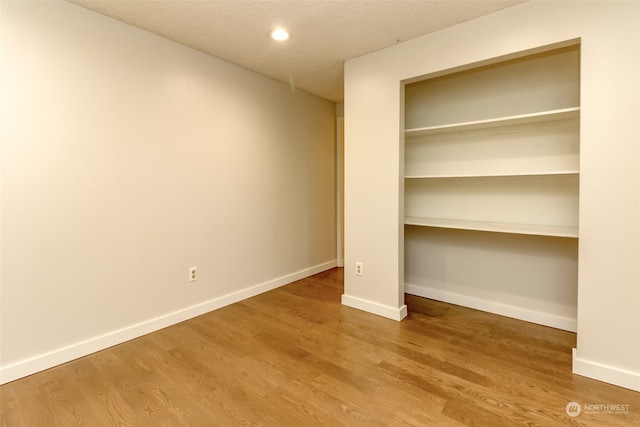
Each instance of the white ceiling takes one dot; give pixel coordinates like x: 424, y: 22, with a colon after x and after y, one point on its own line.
x: 324, y: 33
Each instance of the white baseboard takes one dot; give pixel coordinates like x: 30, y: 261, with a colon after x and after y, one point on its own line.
x: 65, y: 354
x: 394, y: 313
x: 607, y: 374
x: 541, y: 318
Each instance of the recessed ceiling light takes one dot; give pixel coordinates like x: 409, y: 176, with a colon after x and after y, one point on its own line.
x: 280, y: 34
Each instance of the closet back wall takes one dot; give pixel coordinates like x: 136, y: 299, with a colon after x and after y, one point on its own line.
x: 126, y: 159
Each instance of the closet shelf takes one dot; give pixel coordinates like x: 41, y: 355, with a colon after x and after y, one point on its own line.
x: 496, y: 227
x: 539, y: 117
x: 496, y: 174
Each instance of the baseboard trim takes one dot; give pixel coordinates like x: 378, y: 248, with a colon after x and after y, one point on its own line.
x: 607, y: 374
x: 541, y: 318
x: 394, y: 313
x: 65, y: 354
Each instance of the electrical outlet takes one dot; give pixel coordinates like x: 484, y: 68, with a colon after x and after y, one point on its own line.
x: 193, y: 274
x: 359, y: 269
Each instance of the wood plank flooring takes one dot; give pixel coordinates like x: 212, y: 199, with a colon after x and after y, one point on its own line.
x: 296, y: 357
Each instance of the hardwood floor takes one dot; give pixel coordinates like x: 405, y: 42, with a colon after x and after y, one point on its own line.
x: 296, y: 357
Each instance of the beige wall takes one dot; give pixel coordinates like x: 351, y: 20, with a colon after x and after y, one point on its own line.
x: 609, y: 247
x: 126, y: 159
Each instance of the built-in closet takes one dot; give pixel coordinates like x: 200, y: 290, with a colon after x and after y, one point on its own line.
x: 491, y: 185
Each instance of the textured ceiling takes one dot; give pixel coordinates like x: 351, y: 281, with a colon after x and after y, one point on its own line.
x: 324, y: 33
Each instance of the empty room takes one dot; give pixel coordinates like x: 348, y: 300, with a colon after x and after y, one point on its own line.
x: 330, y: 213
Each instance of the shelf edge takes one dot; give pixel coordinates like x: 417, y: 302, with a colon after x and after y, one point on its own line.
x: 492, y: 227
x: 551, y: 115
x: 496, y: 175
